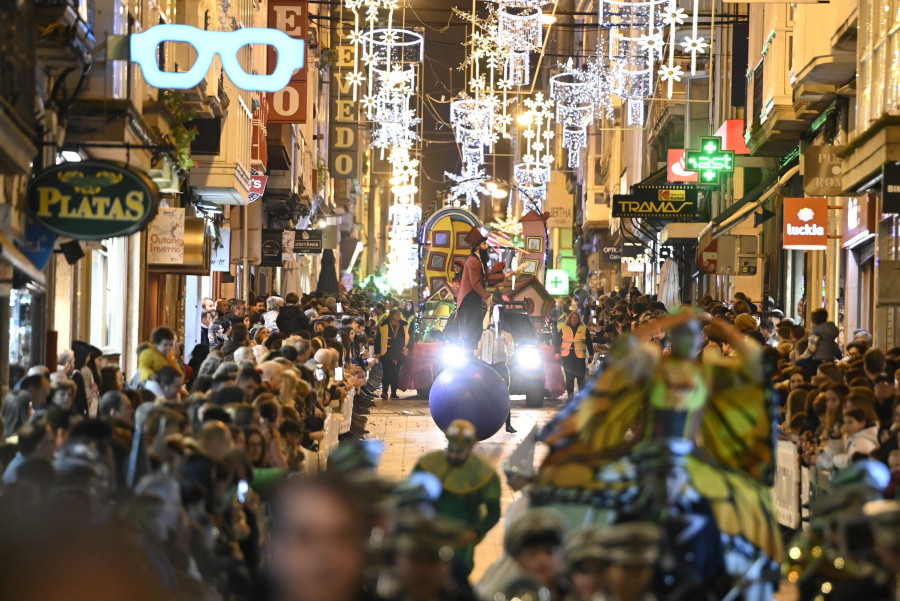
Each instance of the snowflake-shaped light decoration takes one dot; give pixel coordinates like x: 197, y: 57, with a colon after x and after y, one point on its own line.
x: 468, y: 187
x: 532, y: 174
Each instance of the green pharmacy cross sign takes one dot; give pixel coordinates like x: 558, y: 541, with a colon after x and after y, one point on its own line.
x: 557, y: 282
x: 710, y: 161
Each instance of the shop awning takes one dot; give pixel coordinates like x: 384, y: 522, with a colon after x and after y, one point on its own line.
x: 751, y: 201
x: 13, y: 256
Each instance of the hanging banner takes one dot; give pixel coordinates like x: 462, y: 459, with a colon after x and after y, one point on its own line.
x: 221, y: 260
x: 271, y: 248
x: 308, y: 242
x: 822, y: 171
x: 165, y: 237
x: 92, y: 200
x: 288, y: 105
x: 343, y: 127
x: 287, y: 245
x: 805, y: 224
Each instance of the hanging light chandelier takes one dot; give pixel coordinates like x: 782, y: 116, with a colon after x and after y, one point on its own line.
x: 636, y: 44
x: 573, y: 91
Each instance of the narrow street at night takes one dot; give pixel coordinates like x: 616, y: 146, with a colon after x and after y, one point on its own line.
x: 425, y: 300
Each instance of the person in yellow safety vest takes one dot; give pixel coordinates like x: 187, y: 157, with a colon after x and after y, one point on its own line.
x: 391, y: 339
x: 573, y: 344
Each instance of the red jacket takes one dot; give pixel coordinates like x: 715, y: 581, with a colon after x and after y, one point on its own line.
x: 472, y: 279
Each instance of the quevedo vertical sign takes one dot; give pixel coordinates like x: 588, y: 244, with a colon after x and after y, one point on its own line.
x: 343, y: 130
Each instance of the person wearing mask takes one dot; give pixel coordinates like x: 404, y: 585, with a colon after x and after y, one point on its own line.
x: 574, y: 345
x: 159, y: 354
x: 469, y: 310
x: 391, y: 340
x: 470, y: 487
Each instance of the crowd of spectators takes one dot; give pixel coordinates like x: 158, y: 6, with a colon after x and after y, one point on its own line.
x: 185, y: 455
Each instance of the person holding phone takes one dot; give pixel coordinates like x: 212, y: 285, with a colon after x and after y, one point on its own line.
x: 391, y: 342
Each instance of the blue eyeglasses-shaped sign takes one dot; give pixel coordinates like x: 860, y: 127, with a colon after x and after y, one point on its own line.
x: 144, y: 45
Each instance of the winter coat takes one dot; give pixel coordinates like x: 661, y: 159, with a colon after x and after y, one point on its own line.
x: 291, y: 319
x: 838, y: 456
x: 823, y: 338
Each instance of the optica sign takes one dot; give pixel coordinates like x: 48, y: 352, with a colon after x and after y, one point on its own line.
x: 291, y: 56
x: 805, y: 224
x: 92, y: 200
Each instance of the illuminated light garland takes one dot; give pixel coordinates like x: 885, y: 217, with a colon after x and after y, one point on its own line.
x: 520, y: 30
x: 404, y: 215
x: 574, y: 93
x: 636, y: 45
x: 532, y: 173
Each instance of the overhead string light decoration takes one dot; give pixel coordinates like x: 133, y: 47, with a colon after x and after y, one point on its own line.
x: 479, y: 118
x: 637, y: 43
x: 404, y: 216
x: 574, y: 92
x: 532, y: 173
x: 393, y: 56
x: 520, y: 32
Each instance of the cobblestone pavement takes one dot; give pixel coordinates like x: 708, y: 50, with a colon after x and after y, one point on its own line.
x: 408, y: 432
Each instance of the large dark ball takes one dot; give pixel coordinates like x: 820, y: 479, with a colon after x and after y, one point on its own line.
x: 472, y: 391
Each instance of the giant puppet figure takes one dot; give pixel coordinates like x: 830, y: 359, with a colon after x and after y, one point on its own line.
x: 698, y: 425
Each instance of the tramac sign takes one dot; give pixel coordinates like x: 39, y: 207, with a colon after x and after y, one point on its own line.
x: 805, y: 224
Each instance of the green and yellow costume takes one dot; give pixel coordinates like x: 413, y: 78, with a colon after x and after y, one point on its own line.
x: 471, y: 495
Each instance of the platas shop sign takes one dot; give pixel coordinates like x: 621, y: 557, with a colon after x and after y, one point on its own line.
x: 92, y: 200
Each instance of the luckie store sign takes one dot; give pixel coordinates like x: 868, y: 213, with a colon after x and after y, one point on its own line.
x: 805, y: 224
